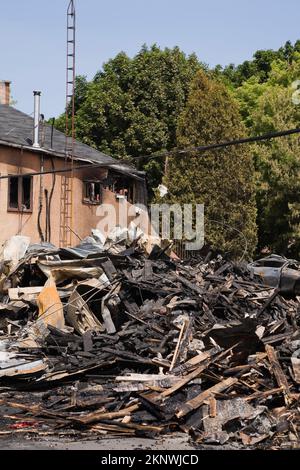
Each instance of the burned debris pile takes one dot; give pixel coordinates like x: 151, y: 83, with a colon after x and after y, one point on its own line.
x: 109, y: 340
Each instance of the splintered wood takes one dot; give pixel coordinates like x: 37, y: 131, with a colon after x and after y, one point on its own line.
x: 278, y: 372
x: 200, y: 399
x: 138, y: 345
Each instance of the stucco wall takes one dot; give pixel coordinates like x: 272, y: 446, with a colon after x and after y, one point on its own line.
x: 13, y: 161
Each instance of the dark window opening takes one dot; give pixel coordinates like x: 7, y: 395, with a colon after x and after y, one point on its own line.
x: 122, y: 187
x: 92, y: 192
x: 13, y: 193
x: 20, y: 193
x: 26, y: 193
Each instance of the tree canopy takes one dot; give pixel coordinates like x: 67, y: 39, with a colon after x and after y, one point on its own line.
x: 222, y: 180
x: 260, y: 66
x: 269, y: 107
x: 131, y: 107
x: 161, y: 99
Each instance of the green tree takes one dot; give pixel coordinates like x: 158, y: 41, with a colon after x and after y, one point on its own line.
x: 278, y: 168
x: 260, y: 66
x: 281, y: 74
x: 131, y: 107
x: 247, y: 96
x: 81, y: 87
x: 267, y: 106
x: 222, y: 180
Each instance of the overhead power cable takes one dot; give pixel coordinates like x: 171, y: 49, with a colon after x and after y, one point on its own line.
x: 62, y: 170
x: 201, y: 148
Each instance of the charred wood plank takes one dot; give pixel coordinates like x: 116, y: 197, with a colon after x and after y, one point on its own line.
x: 203, y: 396
x: 278, y: 372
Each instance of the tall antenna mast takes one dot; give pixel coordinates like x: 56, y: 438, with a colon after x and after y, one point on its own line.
x: 66, y: 201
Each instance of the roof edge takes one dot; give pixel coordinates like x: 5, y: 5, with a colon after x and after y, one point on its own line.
x: 116, y: 166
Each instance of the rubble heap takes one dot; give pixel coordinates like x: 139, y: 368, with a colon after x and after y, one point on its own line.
x: 100, y: 340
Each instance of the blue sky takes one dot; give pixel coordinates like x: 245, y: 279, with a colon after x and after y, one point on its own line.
x: 32, y: 36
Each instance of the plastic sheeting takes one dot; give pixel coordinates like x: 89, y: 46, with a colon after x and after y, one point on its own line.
x: 15, y: 248
x: 60, y: 271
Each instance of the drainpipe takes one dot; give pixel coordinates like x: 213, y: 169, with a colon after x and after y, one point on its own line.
x: 36, y: 144
x: 36, y: 128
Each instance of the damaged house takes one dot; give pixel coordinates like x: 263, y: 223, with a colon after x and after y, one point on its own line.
x: 32, y: 205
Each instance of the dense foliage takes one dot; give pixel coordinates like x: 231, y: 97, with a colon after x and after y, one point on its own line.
x: 222, y: 180
x: 264, y: 89
x: 131, y: 107
x: 155, y: 102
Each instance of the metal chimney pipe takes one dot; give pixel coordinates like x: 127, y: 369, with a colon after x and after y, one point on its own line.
x: 36, y: 128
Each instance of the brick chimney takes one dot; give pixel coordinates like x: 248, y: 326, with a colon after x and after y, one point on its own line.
x: 5, y: 92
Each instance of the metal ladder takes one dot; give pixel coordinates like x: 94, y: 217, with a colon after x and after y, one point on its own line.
x: 66, y: 195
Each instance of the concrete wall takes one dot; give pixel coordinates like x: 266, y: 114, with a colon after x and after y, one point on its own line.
x: 14, y: 161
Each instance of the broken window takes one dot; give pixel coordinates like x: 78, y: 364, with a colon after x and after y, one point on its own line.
x: 13, y: 193
x: 92, y: 192
x: 123, y: 187
x: 26, y: 192
x: 20, y: 193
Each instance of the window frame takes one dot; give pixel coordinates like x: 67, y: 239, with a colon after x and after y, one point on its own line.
x: 87, y: 201
x: 20, y: 194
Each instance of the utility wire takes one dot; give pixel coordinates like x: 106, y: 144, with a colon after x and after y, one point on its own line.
x: 201, y: 148
x: 63, y: 170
